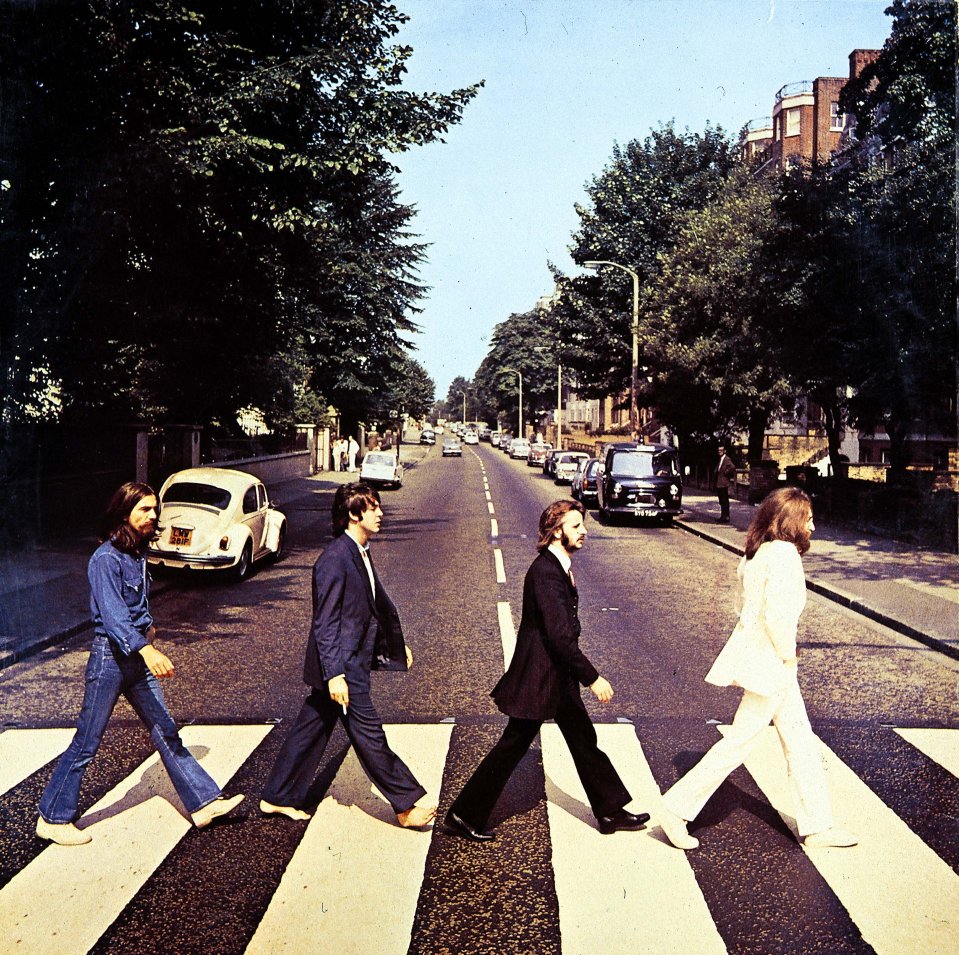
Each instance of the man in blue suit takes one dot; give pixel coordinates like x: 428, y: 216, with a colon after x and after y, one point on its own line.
x: 355, y: 629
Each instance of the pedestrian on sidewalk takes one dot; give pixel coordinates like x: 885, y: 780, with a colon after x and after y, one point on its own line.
x: 761, y: 658
x: 725, y: 475
x: 124, y: 661
x: 352, y: 450
x: 355, y: 629
x: 541, y: 684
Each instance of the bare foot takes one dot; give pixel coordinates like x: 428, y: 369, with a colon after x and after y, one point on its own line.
x: 416, y: 817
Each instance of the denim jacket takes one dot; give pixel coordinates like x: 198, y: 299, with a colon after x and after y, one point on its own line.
x: 119, y: 597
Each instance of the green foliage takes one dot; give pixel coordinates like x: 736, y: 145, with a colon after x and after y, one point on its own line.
x: 201, y: 212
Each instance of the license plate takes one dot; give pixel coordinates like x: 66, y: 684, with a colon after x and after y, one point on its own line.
x: 644, y: 511
x: 180, y: 536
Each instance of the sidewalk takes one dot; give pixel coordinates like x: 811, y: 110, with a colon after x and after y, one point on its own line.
x: 914, y: 592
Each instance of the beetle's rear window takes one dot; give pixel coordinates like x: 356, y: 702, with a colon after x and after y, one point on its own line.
x: 189, y: 492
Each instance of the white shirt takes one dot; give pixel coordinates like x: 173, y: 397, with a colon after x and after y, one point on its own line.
x: 365, y: 554
x: 559, y: 552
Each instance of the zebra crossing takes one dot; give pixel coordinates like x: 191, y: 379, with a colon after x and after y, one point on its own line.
x: 898, y: 892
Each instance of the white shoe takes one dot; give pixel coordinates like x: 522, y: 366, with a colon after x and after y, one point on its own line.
x: 62, y: 833
x: 831, y: 839
x: 219, y: 807
x: 675, y: 830
x: 290, y: 811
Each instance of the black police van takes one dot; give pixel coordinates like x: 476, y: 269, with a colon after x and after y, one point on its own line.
x: 640, y: 480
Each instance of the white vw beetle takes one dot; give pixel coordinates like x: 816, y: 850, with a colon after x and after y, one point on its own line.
x: 216, y: 519
x: 380, y: 468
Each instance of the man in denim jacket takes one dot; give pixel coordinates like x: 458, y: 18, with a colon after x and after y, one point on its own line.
x: 124, y: 660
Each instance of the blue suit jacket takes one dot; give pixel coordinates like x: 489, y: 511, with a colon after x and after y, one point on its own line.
x: 351, y: 632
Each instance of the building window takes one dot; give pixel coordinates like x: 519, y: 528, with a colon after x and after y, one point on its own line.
x: 792, y: 122
x: 837, y: 120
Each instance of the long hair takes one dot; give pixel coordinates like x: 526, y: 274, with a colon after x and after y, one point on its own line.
x: 552, y: 518
x: 352, y: 499
x: 114, y: 524
x: 782, y: 516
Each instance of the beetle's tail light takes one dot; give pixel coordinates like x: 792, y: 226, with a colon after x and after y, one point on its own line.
x: 224, y: 542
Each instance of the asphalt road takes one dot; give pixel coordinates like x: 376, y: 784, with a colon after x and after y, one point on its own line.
x: 656, y: 605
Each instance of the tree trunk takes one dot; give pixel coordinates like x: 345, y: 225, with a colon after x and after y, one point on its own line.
x: 758, y: 419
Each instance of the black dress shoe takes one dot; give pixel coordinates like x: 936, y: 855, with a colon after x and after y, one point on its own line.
x: 622, y: 821
x: 459, y: 827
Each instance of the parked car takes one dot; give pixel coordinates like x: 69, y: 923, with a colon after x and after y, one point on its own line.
x: 381, y: 469
x: 494, y: 437
x: 567, y: 463
x: 504, y: 442
x: 485, y: 432
x: 452, y: 448
x: 549, y: 462
x: 584, y: 482
x: 470, y: 437
x: 641, y: 480
x: 427, y: 436
x: 519, y: 449
x: 216, y: 519
x: 537, y: 454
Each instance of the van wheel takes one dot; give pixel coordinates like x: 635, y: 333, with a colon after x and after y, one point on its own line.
x: 242, y: 568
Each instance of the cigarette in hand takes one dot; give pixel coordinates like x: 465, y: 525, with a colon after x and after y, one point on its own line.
x: 343, y: 705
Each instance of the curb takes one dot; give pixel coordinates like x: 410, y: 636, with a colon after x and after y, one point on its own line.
x: 843, y: 599
x: 62, y: 636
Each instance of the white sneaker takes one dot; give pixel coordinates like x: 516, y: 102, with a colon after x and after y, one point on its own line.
x: 62, y: 833
x: 219, y: 807
x: 831, y: 839
x: 675, y: 830
x: 290, y: 812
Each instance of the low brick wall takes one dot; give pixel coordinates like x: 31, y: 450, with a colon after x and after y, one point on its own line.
x: 274, y: 468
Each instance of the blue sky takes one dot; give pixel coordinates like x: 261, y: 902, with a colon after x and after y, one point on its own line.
x: 565, y: 80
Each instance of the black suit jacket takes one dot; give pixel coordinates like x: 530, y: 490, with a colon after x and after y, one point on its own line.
x: 547, y: 662
x: 351, y: 633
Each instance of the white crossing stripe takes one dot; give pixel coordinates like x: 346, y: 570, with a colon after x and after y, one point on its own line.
x: 23, y: 752
x: 355, y: 877
x: 507, y: 632
x: 899, y: 893
x: 940, y: 745
x: 67, y: 897
x: 629, y: 892
x: 500, y: 569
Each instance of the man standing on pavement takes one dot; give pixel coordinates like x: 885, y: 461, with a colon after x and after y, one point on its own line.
x: 725, y: 475
x: 541, y: 684
x: 355, y: 629
x: 352, y: 450
x: 124, y: 660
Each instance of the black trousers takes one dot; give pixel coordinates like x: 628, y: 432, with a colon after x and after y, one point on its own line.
x: 604, y: 789
x: 723, y: 494
x: 300, y: 755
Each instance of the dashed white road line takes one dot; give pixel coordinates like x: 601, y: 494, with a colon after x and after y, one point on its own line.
x: 500, y: 569
x: 493, y: 527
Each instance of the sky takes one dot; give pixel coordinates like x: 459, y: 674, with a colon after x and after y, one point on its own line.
x: 565, y: 81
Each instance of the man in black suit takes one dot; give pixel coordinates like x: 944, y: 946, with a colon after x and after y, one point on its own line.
x: 541, y: 684
x: 355, y: 629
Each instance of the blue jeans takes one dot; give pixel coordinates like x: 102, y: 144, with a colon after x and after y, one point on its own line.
x: 108, y: 675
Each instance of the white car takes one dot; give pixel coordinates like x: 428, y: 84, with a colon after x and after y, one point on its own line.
x: 567, y: 464
x: 470, y: 437
x: 519, y: 449
x: 216, y: 519
x: 380, y: 468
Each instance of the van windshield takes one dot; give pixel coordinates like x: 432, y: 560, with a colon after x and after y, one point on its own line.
x: 639, y: 464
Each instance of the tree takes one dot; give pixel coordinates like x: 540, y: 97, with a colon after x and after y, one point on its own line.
x: 635, y: 205
x: 200, y: 211
x: 901, y: 227
x: 715, y: 362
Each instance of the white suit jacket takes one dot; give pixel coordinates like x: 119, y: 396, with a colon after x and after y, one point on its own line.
x: 773, y: 594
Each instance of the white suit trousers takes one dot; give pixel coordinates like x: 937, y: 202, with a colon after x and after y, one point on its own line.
x: 807, y: 776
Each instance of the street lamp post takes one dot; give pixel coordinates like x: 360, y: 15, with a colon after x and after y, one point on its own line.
x: 559, y: 406
x: 634, y: 380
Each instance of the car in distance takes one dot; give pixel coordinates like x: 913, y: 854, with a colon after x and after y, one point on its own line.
x: 216, y: 519
x: 470, y: 437
x: 381, y: 469
x: 584, y: 482
x: 494, y: 437
x: 537, y: 454
x: 452, y: 448
x: 427, y: 436
x: 640, y: 480
x: 566, y: 465
x: 519, y: 449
